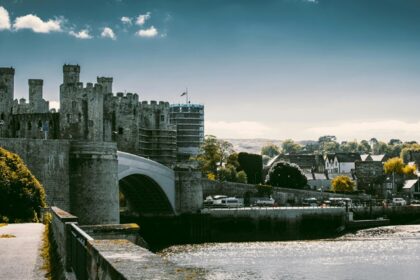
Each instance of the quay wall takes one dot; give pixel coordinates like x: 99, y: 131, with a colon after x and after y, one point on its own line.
x: 283, y: 196
x: 85, y: 257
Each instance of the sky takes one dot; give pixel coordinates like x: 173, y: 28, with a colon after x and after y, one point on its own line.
x: 272, y: 69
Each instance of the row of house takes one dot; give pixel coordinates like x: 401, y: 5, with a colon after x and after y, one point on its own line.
x: 367, y: 170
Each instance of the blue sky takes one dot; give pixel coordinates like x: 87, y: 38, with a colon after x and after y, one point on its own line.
x: 264, y: 69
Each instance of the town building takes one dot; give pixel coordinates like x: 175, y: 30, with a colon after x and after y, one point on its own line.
x: 341, y: 162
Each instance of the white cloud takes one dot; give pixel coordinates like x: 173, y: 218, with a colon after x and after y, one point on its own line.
x: 4, y: 19
x: 150, y: 32
x: 242, y: 129
x: 108, y: 33
x: 126, y: 20
x: 82, y: 34
x: 36, y: 24
x: 383, y: 129
x: 141, y: 19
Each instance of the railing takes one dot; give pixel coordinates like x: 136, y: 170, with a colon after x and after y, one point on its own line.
x: 78, y: 240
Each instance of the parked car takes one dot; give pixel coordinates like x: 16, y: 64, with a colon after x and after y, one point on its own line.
x: 415, y: 202
x: 210, y: 201
x: 265, y: 202
x: 340, y: 201
x: 398, y: 201
x: 311, y: 201
x: 230, y: 202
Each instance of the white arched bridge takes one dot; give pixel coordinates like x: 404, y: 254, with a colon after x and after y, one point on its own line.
x: 148, y: 186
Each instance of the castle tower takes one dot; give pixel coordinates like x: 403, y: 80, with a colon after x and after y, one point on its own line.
x: 106, y: 83
x: 36, y: 102
x: 6, y: 98
x: 71, y: 74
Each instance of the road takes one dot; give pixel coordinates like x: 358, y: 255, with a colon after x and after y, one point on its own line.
x: 20, y: 255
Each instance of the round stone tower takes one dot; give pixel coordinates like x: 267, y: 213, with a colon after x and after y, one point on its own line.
x: 94, y: 194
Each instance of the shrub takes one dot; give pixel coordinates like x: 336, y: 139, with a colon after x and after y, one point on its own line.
x: 286, y: 175
x: 21, y: 194
x: 342, y: 184
x: 241, y: 177
x: 264, y: 190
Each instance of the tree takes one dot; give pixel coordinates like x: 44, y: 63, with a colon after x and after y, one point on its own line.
x: 342, y: 184
x: 408, y: 150
x: 227, y: 173
x: 290, y: 147
x: 349, y: 147
x: 364, y: 147
x: 394, y: 142
x: 21, y: 194
x: 331, y: 147
x: 379, y: 148
x: 286, y: 175
x: 270, y: 150
x: 241, y: 177
x: 252, y: 165
x: 394, y: 166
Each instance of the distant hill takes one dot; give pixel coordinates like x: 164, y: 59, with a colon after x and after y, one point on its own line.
x: 251, y: 145
x: 254, y: 145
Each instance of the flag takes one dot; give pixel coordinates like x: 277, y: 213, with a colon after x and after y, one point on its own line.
x: 184, y: 93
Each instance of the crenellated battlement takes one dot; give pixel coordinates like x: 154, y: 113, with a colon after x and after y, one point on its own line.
x: 35, y: 82
x: 7, y: 71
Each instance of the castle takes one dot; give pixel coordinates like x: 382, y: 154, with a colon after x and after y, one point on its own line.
x: 155, y: 130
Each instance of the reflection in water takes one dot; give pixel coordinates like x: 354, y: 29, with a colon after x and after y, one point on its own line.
x: 382, y: 253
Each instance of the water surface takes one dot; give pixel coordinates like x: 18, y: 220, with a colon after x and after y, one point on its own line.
x: 383, y: 253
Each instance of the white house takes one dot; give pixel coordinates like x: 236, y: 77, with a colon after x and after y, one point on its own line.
x: 341, y: 162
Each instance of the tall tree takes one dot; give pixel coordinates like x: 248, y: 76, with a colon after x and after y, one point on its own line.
x: 270, y: 150
x: 290, y: 147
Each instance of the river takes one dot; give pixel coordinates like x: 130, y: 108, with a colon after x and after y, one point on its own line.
x: 391, y: 252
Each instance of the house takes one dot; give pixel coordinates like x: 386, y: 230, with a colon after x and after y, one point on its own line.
x: 370, y: 177
x: 412, y: 188
x: 341, y: 162
x: 368, y: 157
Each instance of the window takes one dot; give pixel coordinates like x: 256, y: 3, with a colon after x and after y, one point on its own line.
x: 68, y: 118
x: 162, y: 118
x: 39, y: 124
x: 120, y: 130
x: 79, y: 117
x: 29, y: 125
x: 2, y: 116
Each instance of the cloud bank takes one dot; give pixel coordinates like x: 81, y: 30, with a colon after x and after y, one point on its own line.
x: 4, y: 19
x: 148, y: 33
x: 141, y: 19
x: 107, y: 32
x: 82, y: 34
x: 36, y: 24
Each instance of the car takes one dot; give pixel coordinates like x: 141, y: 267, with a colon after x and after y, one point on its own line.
x: 210, y: 201
x: 230, y: 202
x: 398, y: 201
x: 311, y: 201
x: 415, y: 202
x: 265, y: 202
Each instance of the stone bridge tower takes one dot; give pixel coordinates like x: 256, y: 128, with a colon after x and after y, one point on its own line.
x: 7, y: 76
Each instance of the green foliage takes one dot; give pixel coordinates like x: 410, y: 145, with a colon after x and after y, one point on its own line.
x: 342, y: 184
x: 408, y: 149
x: 21, y: 194
x: 290, y: 147
x: 270, y: 150
x: 264, y: 190
x: 286, y: 175
x: 227, y: 173
x: 241, y: 177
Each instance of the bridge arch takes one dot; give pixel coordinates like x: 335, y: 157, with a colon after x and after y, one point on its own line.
x: 148, y: 186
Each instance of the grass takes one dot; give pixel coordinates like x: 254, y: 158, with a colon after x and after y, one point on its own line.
x: 51, y: 260
x: 7, y: 236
